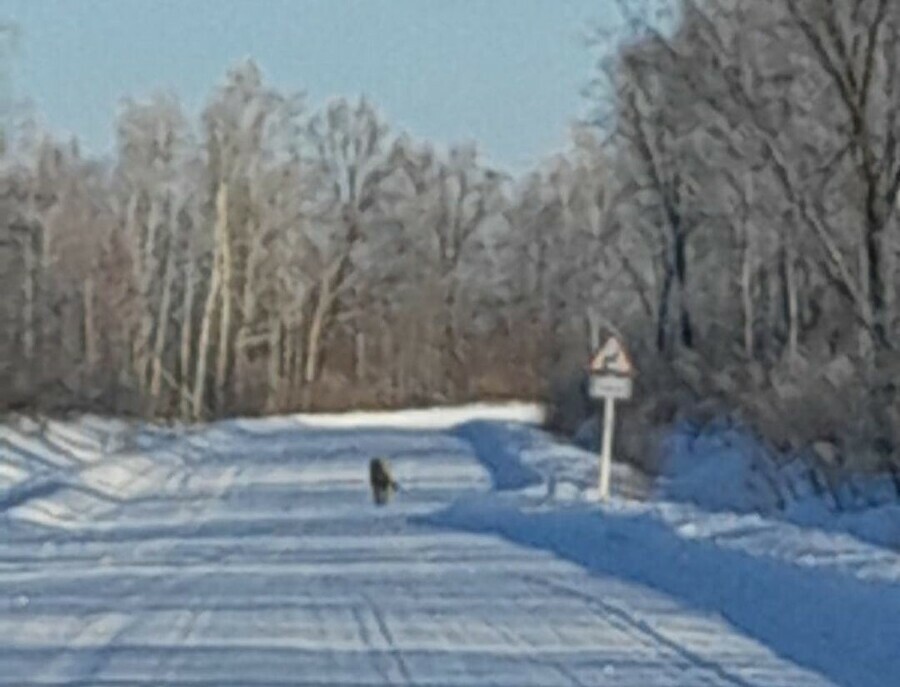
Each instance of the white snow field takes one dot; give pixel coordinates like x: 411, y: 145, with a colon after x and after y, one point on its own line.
x: 247, y: 553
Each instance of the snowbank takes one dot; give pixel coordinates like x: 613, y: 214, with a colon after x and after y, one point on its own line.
x: 824, y: 599
x: 56, y: 473
x: 757, y: 574
x: 521, y: 456
x: 725, y: 467
x: 422, y: 418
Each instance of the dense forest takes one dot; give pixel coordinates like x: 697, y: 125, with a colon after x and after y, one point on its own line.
x: 729, y: 208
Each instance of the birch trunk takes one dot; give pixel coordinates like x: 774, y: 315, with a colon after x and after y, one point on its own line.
x: 747, y: 268
x: 747, y: 294
x: 90, y: 330
x: 141, y: 349
x: 187, y: 332
x: 294, y: 356
x: 248, y: 317
x: 662, y: 310
x: 866, y: 340
x: 225, y: 288
x: 890, y: 286
x: 209, y: 309
x: 360, y: 361
x: 323, y: 305
x: 29, y: 335
x: 790, y: 276
x: 273, y: 381
x: 165, y: 306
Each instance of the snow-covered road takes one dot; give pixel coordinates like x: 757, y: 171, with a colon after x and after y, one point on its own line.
x: 248, y: 553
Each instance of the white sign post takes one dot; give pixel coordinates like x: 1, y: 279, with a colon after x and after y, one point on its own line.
x: 611, y: 379
x: 609, y: 423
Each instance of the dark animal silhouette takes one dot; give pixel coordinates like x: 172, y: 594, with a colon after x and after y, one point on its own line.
x: 381, y: 481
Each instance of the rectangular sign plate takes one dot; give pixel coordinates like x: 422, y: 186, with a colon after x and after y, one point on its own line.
x: 610, y: 386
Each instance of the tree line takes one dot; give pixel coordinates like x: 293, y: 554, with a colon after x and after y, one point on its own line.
x: 729, y: 208
x: 263, y: 259
x: 757, y: 145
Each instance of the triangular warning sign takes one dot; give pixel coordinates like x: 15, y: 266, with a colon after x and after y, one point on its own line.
x: 612, y: 359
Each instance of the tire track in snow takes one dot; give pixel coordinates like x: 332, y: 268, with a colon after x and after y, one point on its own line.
x: 388, y: 637
x: 644, y: 628
x: 513, y: 640
x: 366, y: 638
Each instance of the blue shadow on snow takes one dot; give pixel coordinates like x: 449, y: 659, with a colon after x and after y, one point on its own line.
x: 842, y: 627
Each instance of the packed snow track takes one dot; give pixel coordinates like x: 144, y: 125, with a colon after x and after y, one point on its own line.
x: 248, y: 553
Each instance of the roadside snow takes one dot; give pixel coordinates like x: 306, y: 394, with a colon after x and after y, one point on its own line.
x: 248, y: 553
x: 724, y: 467
x: 830, y: 606
x: 132, y: 552
x: 521, y: 456
x: 825, y: 600
x: 421, y: 418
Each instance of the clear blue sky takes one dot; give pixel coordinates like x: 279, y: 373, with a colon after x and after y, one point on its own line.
x: 506, y: 73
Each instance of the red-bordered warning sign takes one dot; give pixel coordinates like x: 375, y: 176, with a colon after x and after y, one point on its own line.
x: 612, y: 359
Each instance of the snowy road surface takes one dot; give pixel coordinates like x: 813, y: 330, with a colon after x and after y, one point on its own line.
x: 248, y: 554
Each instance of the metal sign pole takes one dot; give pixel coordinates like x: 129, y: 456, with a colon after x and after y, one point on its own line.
x: 611, y: 378
x: 609, y: 416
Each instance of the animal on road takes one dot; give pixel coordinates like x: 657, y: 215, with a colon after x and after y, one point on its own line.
x: 381, y: 481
